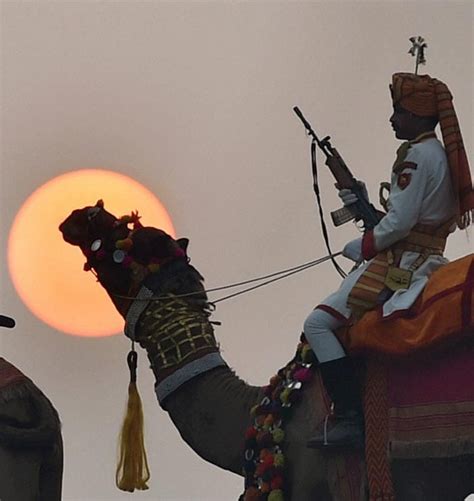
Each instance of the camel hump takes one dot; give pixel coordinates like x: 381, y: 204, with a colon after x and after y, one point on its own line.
x: 27, y: 416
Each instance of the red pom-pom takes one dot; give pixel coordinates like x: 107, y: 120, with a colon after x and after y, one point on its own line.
x: 303, y: 375
x: 269, y: 420
x: 251, y: 433
x: 260, y: 470
x: 268, y: 461
x: 265, y: 487
x: 252, y: 494
x: 276, y: 483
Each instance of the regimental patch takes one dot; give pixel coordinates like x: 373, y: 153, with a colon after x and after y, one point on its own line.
x: 403, y: 180
x: 405, y: 165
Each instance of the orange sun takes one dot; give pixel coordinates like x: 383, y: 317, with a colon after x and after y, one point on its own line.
x: 47, y: 272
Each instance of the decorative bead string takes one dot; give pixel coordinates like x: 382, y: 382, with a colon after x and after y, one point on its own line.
x: 264, y: 459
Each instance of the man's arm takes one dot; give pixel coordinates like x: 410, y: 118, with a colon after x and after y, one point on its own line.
x: 407, y: 193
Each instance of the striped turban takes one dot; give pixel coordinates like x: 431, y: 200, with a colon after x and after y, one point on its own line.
x: 428, y: 97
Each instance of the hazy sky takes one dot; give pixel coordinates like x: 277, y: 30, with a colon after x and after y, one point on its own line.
x: 194, y: 100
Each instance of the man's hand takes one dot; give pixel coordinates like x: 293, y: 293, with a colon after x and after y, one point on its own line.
x: 348, y: 197
x: 353, y: 250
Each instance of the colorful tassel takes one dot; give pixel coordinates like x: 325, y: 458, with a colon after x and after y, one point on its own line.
x: 132, y: 469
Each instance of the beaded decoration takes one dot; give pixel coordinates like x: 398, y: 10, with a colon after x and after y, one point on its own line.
x: 264, y: 459
x: 174, y: 332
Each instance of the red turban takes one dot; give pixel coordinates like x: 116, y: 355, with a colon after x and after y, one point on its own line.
x: 428, y: 97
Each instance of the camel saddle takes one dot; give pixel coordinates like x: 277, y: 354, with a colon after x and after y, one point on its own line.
x: 443, y: 313
x: 418, y: 396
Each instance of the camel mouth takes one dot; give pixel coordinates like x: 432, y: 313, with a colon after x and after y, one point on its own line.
x: 70, y: 235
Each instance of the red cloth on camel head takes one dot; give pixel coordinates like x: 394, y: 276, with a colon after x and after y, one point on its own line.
x: 428, y: 97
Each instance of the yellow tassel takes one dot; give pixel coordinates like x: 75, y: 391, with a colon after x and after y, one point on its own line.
x: 132, y: 469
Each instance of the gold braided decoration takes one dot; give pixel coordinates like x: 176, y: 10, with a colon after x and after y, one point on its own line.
x: 173, y: 332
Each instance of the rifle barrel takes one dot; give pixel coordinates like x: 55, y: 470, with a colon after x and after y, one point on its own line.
x: 323, y: 145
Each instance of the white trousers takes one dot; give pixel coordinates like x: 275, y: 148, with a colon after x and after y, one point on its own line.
x: 319, y: 330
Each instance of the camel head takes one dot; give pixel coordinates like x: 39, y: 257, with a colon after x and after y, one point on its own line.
x: 122, y: 257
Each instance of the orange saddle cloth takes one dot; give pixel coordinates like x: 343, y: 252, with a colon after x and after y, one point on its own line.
x: 444, y: 311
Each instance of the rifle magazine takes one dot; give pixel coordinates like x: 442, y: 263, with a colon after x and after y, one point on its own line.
x: 341, y: 216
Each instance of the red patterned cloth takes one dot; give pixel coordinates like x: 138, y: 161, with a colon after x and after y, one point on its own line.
x: 431, y: 404
x: 417, y: 407
x: 376, y: 405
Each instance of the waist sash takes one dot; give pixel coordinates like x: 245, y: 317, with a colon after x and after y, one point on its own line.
x: 375, y: 285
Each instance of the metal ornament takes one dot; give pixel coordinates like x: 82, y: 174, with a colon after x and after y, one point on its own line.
x: 118, y: 256
x: 398, y: 278
x: 249, y: 453
x: 265, y: 401
x: 294, y: 385
x: 418, y: 51
x: 96, y: 245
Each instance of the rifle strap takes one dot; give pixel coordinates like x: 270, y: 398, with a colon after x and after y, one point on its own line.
x: 314, y: 169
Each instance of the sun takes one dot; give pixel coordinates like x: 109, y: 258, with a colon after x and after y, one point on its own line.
x: 48, y: 273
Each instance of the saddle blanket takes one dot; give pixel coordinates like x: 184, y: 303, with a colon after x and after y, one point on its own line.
x: 443, y: 313
x: 431, y: 404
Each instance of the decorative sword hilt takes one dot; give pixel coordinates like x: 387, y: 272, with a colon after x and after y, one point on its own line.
x: 418, y: 51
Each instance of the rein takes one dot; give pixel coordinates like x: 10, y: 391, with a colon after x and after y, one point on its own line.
x: 279, y: 275
x: 273, y: 277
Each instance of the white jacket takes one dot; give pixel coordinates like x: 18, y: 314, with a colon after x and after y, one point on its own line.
x: 421, y: 193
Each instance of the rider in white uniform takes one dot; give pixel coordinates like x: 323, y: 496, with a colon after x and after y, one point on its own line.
x: 429, y: 193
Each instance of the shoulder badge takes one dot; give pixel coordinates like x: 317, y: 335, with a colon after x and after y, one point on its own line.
x: 403, y: 180
x: 404, y: 165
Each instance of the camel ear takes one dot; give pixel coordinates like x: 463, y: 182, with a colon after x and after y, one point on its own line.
x: 100, y: 204
x: 183, y: 243
x: 7, y: 322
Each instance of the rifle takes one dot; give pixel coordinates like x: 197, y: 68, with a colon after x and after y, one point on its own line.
x: 360, y: 210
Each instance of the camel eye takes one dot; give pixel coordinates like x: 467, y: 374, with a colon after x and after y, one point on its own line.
x: 96, y: 245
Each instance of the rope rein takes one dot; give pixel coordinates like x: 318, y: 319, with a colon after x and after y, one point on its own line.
x: 275, y: 276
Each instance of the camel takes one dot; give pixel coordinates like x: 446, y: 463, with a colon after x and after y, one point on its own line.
x: 212, y: 409
x: 31, y: 448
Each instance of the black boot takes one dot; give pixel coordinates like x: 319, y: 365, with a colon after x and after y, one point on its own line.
x: 347, y: 427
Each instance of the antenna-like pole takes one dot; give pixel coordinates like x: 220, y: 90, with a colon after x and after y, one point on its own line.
x: 418, y: 50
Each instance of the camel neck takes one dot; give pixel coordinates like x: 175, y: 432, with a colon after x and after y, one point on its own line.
x: 212, y: 413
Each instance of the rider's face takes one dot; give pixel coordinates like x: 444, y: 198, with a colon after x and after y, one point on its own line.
x: 404, y: 123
